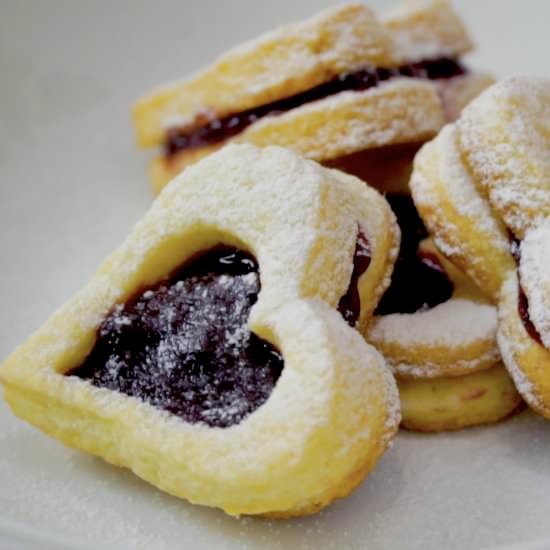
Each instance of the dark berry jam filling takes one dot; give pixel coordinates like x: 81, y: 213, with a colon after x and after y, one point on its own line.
x: 216, y: 130
x: 523, y: 310
x: 419, y: 281
x: 523, y: 302
x: 184, y: 344
x: 350, y: 303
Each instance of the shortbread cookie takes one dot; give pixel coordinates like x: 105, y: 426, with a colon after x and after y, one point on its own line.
x: 452, y: 403
x: 207, y: 353
x: 523, y: 353
x: 486, y: 179
x: 534, y: 270
x: 523, y: 328
x: 328, y: 87
x: 426, y: 29
x: 464, y: 225
x: 432, y: 321
x: 504, y: 137
x: 437, y: 331
x: 389, y: 168
x: 483, y: 179
x: 398, y: 111
x: 431, y: 29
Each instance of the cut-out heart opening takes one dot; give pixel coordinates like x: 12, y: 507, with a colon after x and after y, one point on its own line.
x: 184, y: 344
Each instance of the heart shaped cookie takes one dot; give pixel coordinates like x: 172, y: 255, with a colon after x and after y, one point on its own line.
x: 214, y: 352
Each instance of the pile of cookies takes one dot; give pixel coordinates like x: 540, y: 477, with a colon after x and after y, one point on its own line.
x: 315, y: 271
x: 482, y: 187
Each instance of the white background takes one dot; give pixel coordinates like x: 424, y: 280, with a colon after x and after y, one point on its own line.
x: 72, y: 184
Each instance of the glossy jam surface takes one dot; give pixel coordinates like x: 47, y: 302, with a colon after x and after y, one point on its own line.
x: 208, y: 129
x: 184, y: 345
x: 419, y: 281
x: 350, y: 303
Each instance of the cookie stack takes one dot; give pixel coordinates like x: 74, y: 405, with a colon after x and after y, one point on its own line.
x: 341, y: 83
x: 286, y: 303
x: 483, y: 190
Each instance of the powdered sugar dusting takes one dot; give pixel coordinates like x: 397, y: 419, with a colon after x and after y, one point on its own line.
x: 393, y: 405
x: 429, y: 369
x: 463, y: 192
x: 381, y: 385
x: 455, y: 323
x: 524, y: 386
x: 399, y: 110
x: 351, y: 30
x: 534, y: 272
x: 508, y: 349
x: 466, y: 227
x: 448, y: 250
x: 277, y: 64
x: 505, y: 136
x: 185, y: 346
x: 300, y: 222
x: 513, y: 340
x: 426, y: 28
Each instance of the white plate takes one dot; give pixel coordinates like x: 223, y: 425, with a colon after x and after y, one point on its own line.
x: 72, y: 184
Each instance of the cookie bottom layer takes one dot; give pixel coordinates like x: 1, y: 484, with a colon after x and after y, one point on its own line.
x: 453, y: 403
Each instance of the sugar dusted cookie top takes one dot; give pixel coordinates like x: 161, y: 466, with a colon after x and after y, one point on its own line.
x: 275, y: 387
x: 465, y: 226
x: 423, y: 29
x: 278, y: 64
x: 489, y: 209
x: 328, y: 87
x: 534, y: 273
x: 505, y: 137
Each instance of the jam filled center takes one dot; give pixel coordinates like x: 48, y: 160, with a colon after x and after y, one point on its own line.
x: 419, y: 281
x: 184, y: 345
x: 209, y: 129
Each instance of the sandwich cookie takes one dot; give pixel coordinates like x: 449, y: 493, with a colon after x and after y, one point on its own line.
x: 215, y: 353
